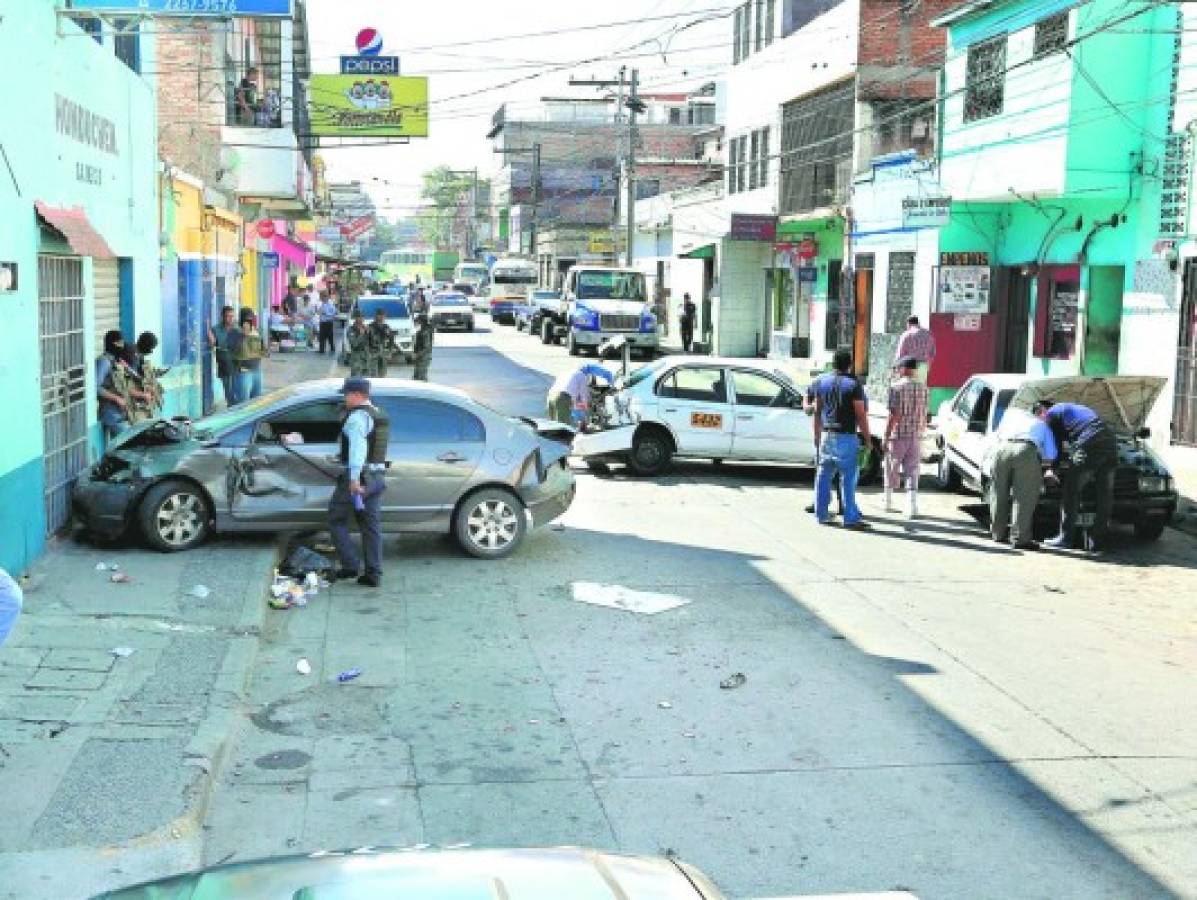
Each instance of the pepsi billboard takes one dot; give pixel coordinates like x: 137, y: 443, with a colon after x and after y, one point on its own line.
x: 369, y: 65
x: 369, y: 42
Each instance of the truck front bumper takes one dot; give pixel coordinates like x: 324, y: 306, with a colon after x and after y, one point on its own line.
x: 641, y: 340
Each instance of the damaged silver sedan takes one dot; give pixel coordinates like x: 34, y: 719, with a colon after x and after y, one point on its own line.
x: 453, y: 466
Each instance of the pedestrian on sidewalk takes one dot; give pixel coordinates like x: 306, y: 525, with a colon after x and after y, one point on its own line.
x: 808, y: 406
x: 840, y: 413
x: 1091, y: 451
x: 1025, y: 448
x: 365, y: 431
x: 328, y: 320
x: 11, y: 600
x: 919, y: 343
x: 907, y: 406
x: 686, y: 316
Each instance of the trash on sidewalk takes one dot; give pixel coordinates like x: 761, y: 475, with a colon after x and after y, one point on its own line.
x: 121, y: 652
x: 733, y: 681
x: 302, y: 560
x: 665, y: 704
x: 120, y: 578
x: 200, y: 592
x: 1052, y: 589
x: 349, y: 675
x: 617, y: 596
x: 303, y: 667
x: 287, y: 592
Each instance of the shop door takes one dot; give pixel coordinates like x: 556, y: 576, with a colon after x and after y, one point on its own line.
x: 106, y: 289
x: 1103, y: 328
x: 1184, y: 409
x: 1015, y: 321
x: 63, y: 380
x: 862, y: 314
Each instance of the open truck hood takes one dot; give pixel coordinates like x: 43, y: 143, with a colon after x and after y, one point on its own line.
x: 1123, y: 401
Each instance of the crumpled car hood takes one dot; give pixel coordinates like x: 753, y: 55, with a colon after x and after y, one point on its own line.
x: 1123, y: 401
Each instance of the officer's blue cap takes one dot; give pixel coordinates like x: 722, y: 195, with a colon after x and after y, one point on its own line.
x: 356, y: 386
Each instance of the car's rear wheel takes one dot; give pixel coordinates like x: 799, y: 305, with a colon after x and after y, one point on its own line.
x: 1150, y: 529
x: 490, y: 524
x: 651, y: 453
x: 174, y: 515
x: 947, y: 477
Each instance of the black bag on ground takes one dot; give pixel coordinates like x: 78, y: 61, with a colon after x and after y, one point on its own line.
x: 301, y: 560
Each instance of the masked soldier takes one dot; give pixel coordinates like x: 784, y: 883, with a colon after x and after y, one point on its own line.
x: 380, y: 342
x: 422, y: 347
x: 357, y: 342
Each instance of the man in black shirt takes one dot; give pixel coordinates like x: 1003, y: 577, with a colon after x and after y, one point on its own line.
x: 840, y: 413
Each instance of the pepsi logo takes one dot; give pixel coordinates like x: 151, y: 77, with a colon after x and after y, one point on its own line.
x: 369, y: 42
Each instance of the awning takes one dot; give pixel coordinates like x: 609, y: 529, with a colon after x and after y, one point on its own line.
x: 705, y: 252
x: 75, y: 229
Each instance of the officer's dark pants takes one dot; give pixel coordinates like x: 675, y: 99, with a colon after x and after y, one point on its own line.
x: 687, y: 335
x: 369, y: 522
x: 1093, y: 461
x: 326, y: 337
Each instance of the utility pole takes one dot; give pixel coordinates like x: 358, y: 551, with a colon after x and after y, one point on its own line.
x: 635, y: 105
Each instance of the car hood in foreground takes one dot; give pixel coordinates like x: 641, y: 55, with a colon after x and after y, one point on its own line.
x: 531, y: 874
x: 1123, y: 401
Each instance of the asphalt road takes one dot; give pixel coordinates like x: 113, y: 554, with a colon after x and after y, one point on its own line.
x: 920, y: 709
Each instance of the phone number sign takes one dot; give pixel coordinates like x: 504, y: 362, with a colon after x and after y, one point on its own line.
x: 186, y: 7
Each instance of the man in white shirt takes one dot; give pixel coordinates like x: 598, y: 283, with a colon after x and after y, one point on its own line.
x: 1025, y: 448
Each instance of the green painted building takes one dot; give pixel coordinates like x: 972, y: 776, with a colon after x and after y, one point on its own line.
x: 80, y: 220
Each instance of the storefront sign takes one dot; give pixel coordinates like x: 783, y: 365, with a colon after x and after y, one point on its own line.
x: 81, y: 124
x: 926, y: 212
x: 350, y: 105
x: 970, y: 322
x: 965, y: 258
x: 187, y: 7
x: 808, y: 275
x: 600, y: 243
x: 753, y: 228
x: 963, y: 289
x: 369, y: 65
x: 268, y: 260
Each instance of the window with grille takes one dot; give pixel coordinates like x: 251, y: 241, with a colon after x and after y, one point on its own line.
x: 816, y: 149
x: 746, y: 31
x: 754, y: 151
x: 733, y: 147
x: 1051, y: 34
x: 737, y: 21
x: 254, y: 73
x: 742, y: 165
x: 770, y: 15
x: 985, y: 79
x: 758, y: 34
x: 762, y: 161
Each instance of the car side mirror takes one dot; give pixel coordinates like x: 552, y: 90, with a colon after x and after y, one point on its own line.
x: 1143, y: 433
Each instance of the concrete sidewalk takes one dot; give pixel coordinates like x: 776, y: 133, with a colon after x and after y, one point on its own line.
x: 102, y: 754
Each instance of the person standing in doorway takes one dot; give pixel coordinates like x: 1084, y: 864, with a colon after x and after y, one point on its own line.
x: 365, y: 431
x: 840, y: 413
x: 687, y: 315
x: 1090, y: 448
x: 218, y: 340
x: 907, y: 404
x: 918, y: 343
x: 328, y: 320
x: 1025, y: 450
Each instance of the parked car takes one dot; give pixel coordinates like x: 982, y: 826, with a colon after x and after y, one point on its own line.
x: 532, y: 873
x: 707, y: 408
x: 398, y: 315
x: 546, y: 316
x: 465, y: 287
x: 1145, y: 496
x: 450, y: 309
x: 454, y: 466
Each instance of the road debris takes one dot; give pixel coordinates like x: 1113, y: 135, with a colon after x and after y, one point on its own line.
x: 107, y: 567
x: 121, y: 652
x: 733, y: 681
x: 688, y: 734
x: 617, y: 596
x: 665, y: 704
x: 349, y: 675
x: 120, y: 578
x: 1052, y: 589
x: 303, y: 667
x: 200, y: 592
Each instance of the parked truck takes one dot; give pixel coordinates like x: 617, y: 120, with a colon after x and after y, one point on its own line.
x: 599, y: 303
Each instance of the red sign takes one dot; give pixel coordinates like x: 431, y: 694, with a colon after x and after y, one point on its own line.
x: 266, y: 229
x: 357, y: 227
x: 808, y: 248
x: 753, y: 228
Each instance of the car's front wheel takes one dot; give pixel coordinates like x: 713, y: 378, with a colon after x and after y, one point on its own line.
x: 174, y: 515
x: 1150, y: 529
x: 947, y: 478
x: 490, y: 524
x: 652, y: 450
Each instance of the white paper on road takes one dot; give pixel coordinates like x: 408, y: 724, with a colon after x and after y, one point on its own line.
x: 616, y: 596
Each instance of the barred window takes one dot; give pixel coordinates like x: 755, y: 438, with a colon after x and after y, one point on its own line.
x: 770, y: 15
x: 754, y: 152
x: 737, y: 23
x: 1051, y: 34
x: 763, y: 159
x: 758, y: 32
x: 985, y: 80
x: 732, y: 164
x: 742, y: 163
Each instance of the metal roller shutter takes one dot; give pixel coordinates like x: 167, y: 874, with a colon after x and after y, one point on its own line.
x: 106, y: 288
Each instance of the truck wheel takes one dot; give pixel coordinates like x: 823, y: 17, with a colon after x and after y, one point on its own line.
x: 652, y: 450
x: 174, y: 515
x: 1149, y: 529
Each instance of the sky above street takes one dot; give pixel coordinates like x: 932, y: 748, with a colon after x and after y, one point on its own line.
x: 458, y: 44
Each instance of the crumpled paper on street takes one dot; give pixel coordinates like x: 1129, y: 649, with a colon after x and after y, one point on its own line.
x: 616, y: 596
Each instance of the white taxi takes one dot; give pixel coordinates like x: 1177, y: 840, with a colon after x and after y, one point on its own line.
x: 705, y: 408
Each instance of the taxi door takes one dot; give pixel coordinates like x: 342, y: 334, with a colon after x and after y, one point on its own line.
x: 693, y: 403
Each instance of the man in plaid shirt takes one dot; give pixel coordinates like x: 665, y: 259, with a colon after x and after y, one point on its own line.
x: 919, y: 343
x: 904, y: 433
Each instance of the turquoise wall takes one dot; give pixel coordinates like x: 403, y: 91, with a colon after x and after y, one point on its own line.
x: 39, y: 64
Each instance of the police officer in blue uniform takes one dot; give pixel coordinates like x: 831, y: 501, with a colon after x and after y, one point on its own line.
x: 365, y: 431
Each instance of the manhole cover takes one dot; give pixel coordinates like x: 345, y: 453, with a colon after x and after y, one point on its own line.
x: 283, y: 759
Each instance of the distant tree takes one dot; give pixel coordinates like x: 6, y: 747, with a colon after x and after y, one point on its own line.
x: 442, y: 188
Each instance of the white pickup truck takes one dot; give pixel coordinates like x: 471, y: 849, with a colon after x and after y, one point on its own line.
x: 606, y: 302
